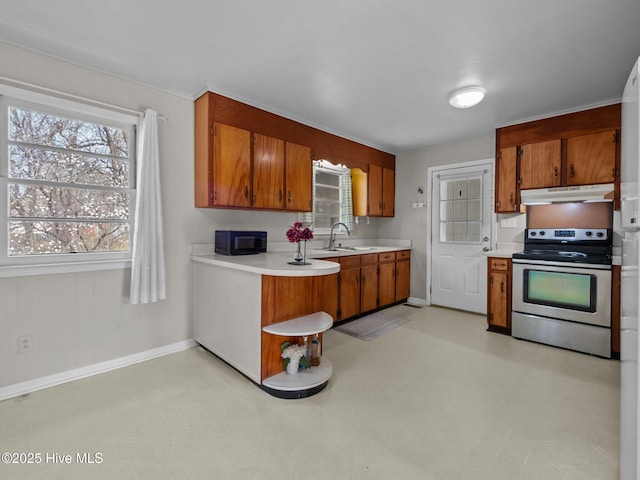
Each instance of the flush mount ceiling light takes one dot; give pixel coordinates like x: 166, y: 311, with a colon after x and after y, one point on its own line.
x: 466, y: 97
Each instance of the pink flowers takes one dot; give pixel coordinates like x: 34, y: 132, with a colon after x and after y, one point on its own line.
x: 299, y: 232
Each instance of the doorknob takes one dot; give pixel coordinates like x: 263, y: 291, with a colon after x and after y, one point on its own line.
x: 486, y: 249
x: 485, y: 239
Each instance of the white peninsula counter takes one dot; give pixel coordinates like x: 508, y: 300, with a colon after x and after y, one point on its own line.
x: 247, y: 306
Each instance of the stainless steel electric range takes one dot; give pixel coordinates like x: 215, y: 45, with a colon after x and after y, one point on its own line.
x: 562, y: 289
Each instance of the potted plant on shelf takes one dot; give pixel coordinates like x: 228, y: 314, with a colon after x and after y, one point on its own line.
x: 293, y: 354
x: 297, y: 233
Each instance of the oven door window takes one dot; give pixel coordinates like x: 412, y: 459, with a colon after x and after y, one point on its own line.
x: 574, y: 291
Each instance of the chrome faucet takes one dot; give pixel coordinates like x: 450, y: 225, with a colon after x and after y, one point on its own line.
x: 332, y: 235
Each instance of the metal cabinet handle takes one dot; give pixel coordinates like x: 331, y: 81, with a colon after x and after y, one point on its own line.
x: 289, y: 196
x: 571, y: 170
x: 501, y: 287
x: 279, y: 195
x: 246, y: 191
x: 555, y: 172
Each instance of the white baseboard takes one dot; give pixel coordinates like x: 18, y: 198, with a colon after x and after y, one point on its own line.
x: 29, y: 386
x: 417, y: 301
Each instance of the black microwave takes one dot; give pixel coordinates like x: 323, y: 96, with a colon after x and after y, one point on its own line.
x: 238, y: 242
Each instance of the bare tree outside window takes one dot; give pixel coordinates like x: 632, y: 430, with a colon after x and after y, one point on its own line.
x: 68, y: 185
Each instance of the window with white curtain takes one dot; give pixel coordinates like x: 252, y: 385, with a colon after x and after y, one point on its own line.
x: 67, y: 180
x: 331, y: 198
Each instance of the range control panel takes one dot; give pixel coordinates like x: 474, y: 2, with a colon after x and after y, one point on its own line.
x: 569, y: 234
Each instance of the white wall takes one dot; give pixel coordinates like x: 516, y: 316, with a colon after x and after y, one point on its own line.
x: 77, y: 320
x: 411, y: 174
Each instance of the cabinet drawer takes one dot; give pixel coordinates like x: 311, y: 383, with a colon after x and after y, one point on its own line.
x: 350, y: 261
x: 403, y: 254
x: 499, y: 263
x: 369, y: 259
x: 387, y: 257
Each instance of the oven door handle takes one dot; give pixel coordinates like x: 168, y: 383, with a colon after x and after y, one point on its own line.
x: 570, y: 265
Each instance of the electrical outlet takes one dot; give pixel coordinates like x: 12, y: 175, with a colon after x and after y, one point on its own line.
x: 25, y: 344
x: 508, y: 223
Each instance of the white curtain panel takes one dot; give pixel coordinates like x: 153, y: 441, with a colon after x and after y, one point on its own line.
x: 147, y: 265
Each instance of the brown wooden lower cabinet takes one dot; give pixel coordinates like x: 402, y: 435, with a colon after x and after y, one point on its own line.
x: 367, y: 282
x: 368, y: 287
x: 499, y: 295
x: 387, y: 283
x: 403, y: 274
x: 349, y: 287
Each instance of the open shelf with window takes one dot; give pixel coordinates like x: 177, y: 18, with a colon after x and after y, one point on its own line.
x: 328, y: 196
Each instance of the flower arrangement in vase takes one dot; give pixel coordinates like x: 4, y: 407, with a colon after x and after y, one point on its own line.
x: 294, y: 356
x: 297, y: 233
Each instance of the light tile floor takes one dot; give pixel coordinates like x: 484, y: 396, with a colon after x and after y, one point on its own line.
x: 438, y: 398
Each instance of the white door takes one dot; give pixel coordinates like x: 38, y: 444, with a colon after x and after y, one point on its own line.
x: 461, y: 228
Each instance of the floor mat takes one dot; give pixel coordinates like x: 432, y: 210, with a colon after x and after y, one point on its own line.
x: 372, y: 326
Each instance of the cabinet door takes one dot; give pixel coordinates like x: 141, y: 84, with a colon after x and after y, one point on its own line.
x: 268, y: 172
x: 231, y: 166
x: 540, y: 164
x: 330, y: 292
x: 369, y: 288
x: 359, y: 192
x: 298, y: 181
x: 374, y: 208
x: 387, y: 284
x: 506, y: 192
x: 388, y: 192
x: 349, y: 292
x: 591, y: 158
x: 498, y: 301
x: 403, y: 276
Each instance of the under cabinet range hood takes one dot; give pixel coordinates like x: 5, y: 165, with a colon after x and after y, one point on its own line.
x: 578, y: 193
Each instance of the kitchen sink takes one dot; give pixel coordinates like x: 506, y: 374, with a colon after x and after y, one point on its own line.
x: 347, y: 249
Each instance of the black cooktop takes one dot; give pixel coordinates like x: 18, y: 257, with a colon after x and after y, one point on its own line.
x: 598, y: 257
x: 568, y: 245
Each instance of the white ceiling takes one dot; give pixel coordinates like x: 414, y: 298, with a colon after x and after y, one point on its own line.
x: 376, y: 71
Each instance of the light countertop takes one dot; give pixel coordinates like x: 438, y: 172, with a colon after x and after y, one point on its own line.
x: 275, y: 261
x: 504, y: 250
x: 274, y: 264
x: 320, y: 253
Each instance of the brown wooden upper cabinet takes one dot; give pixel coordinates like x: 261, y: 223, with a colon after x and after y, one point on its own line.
x: 246, y: 157
x: 592, y: 158
x: 251, y: 170
x: 381, y: 192
x: 580, y: 148
x: 589, y: 159
x: 268, y: 172
x: 540, y: 164
x: 506, y: 181
x: 231, y: 167
x: 298, y: 178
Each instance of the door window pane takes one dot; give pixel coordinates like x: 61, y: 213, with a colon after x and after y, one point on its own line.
x: 461, y: 209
